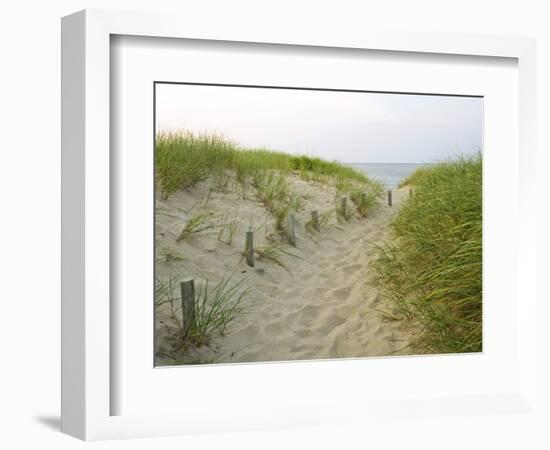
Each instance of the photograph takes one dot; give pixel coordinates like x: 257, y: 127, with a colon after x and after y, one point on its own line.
x: 300, y: 223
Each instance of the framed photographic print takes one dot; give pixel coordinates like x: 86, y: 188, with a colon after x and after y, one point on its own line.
x: 273, y: 223
x: 263, y: 229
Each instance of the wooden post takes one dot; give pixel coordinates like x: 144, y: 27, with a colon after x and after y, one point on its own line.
x: 315, y: 219
x: 343, y: 206
x: 292, y: 230
x: 187, y: 288
x: 389, y: 197
x: 410, y: 192
x: 249, y: 248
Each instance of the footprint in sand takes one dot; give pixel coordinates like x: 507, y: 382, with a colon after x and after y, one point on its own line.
x: 346, y: 310
x: 342, y: 250
x: 306, y: 276
x: 349, y: 270
x: 343, y: 347
x: 274, y: 291
x: 319, y: 292
x: 327, y: 273
x: 332, y: 321
x: 275, y: 328
x: 250, y: 332
x: 341, y: 294
x: 304, y: 333
x: 309, y: 312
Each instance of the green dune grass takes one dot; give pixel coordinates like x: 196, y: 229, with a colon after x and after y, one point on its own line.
x: 184, y: 158
x: 432, y: 266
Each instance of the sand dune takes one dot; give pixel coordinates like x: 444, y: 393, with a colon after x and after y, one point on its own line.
x: 325, y: 304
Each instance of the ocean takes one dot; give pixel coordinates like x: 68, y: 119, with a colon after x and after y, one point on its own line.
x: 390, y: 174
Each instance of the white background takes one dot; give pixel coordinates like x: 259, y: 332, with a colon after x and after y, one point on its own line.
x: 30, y: 80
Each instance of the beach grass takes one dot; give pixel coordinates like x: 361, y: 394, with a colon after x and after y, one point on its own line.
x: 432, y: 266
x: 414, y: 177
x: 364, y: 201
x: 328, y: 169
x: 214, y: 311
x: 229, y: 224
x: 198, y: 223
x: 169, y: 256
x: 183, y: 159
x: 274, y: 252
x: 165, y: 294
x: 217, y: 308
x: 325, y: 217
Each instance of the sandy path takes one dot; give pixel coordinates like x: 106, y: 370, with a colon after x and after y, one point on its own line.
x: 329, y: 307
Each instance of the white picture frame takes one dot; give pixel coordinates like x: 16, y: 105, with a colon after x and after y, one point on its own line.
x: 86, y: 325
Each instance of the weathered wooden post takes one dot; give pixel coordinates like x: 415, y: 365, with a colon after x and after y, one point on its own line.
x: 343, y: 206
x: 249, y: 248
x: 410, y: 192
x: 187, y: 288
x: 389, y: 197
x: 315, y: 220
x: 291, y: 229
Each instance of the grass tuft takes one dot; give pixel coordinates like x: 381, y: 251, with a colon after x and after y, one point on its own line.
x: 215, y: 311
x: 274, y: 252
x: 276, y: 195
x: 165, y: 293
x: 229, y: 226
x: 364, y: 200
x: 170, y: 256
x: 197, y: 223
x: 325, y: 217
x: 183, y: 159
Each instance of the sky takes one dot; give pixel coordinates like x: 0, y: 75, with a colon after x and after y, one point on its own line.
x: 347, y: 127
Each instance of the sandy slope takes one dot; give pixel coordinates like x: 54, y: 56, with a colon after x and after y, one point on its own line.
x: 329, y: 305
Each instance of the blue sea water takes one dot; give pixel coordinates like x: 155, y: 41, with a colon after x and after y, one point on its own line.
x: 390, y: 174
